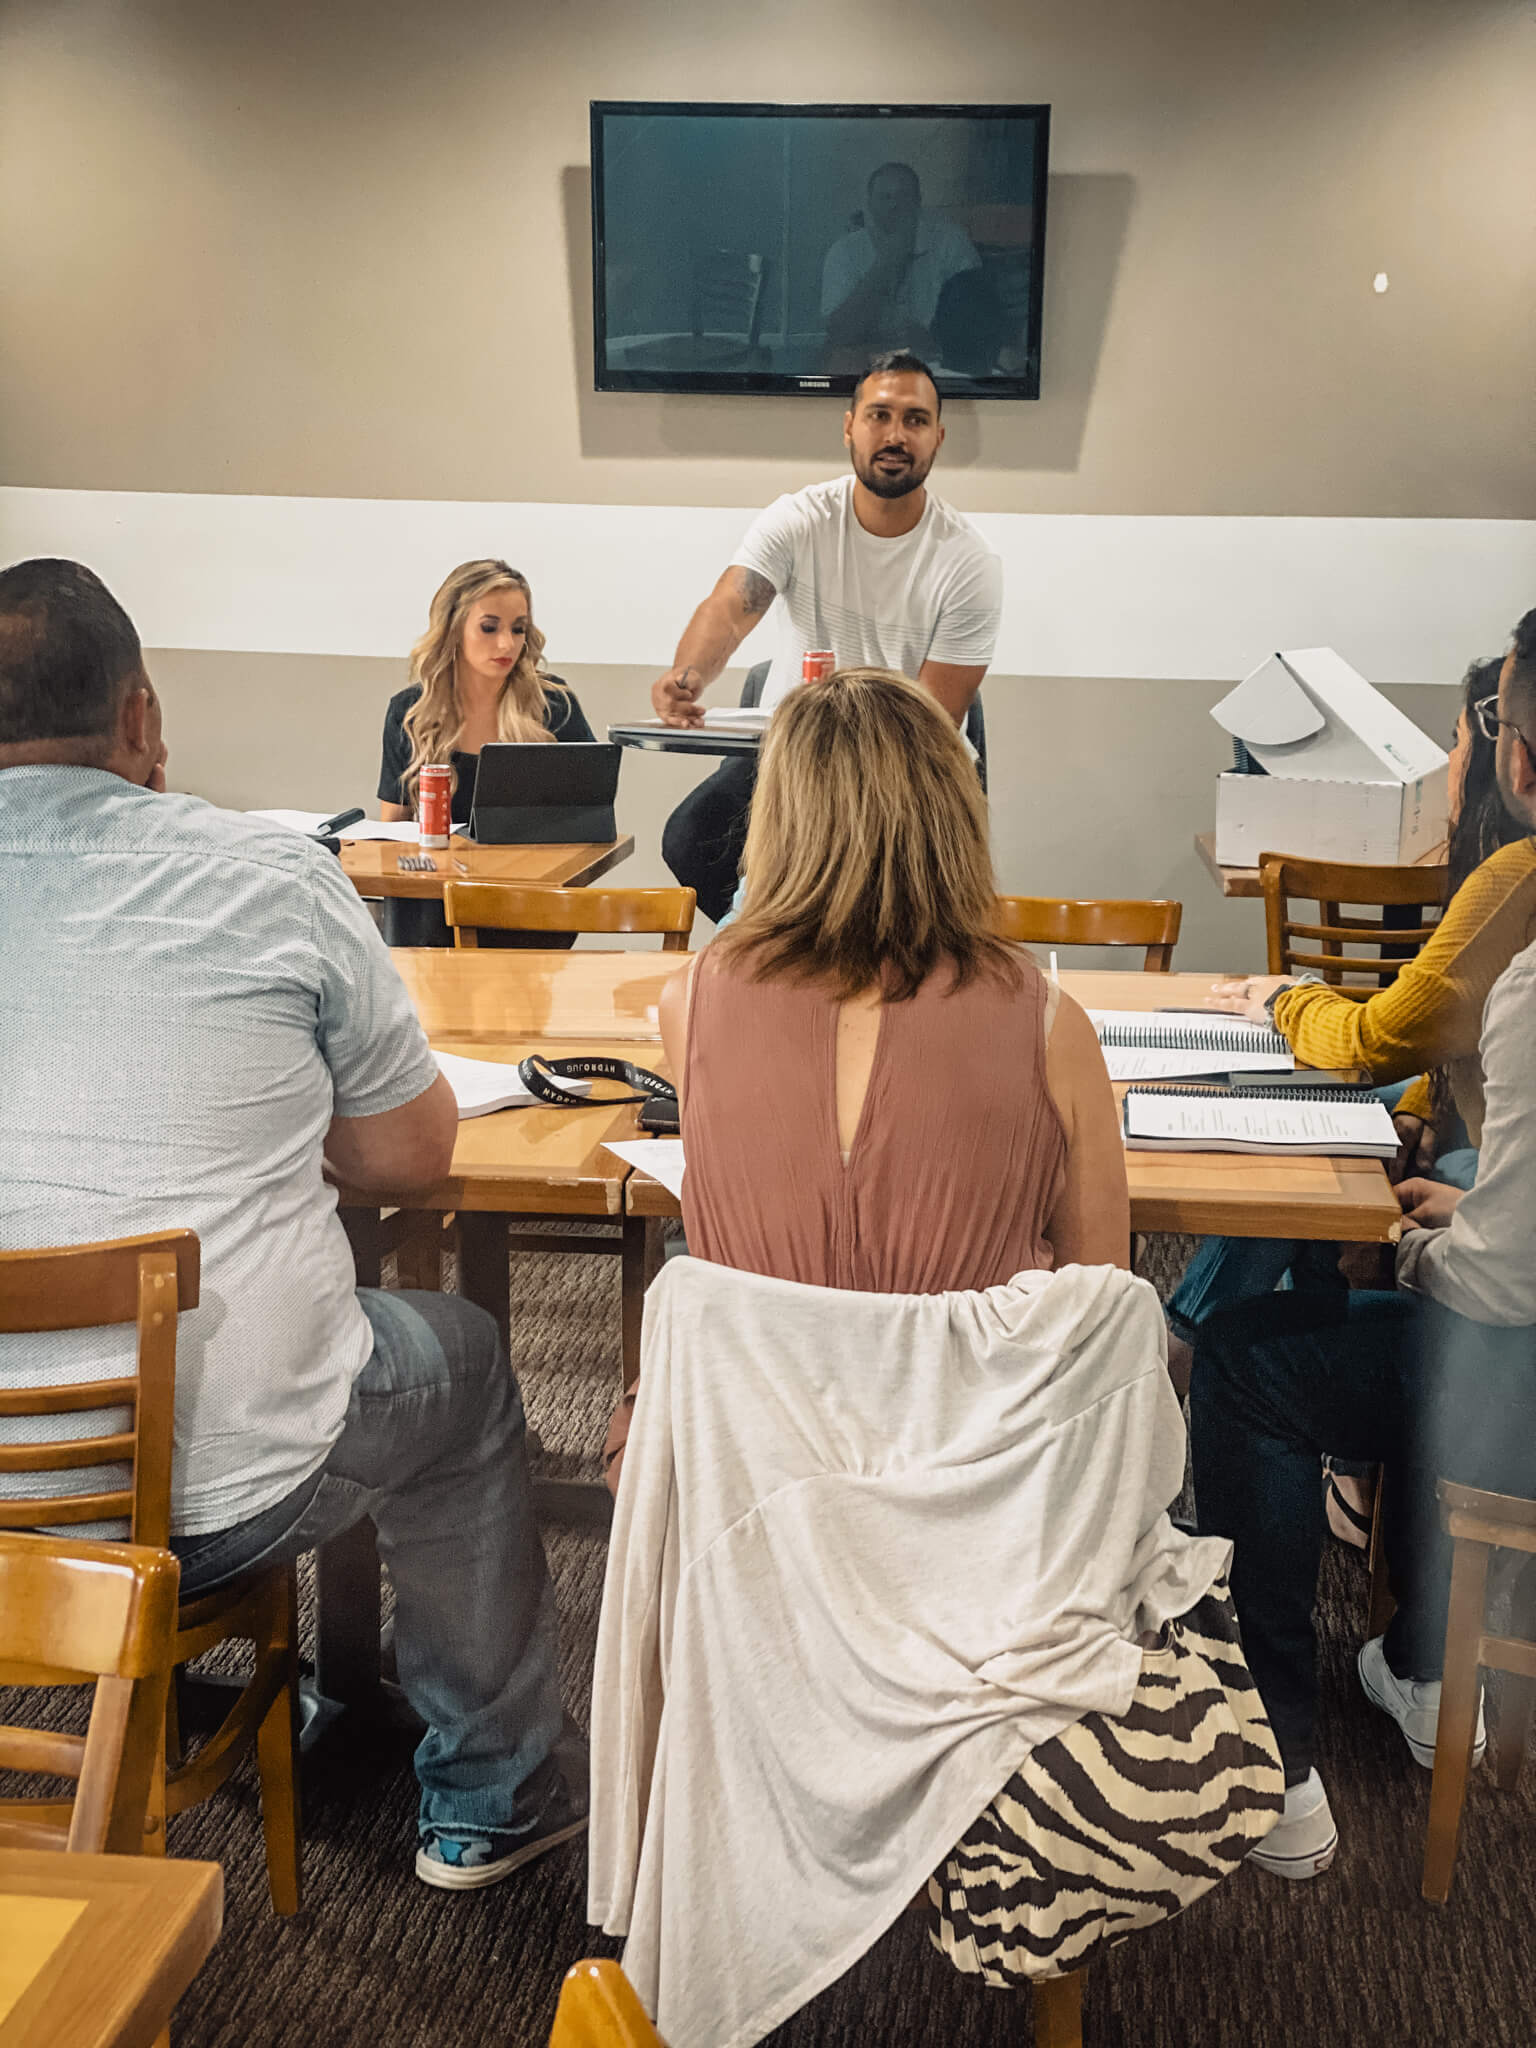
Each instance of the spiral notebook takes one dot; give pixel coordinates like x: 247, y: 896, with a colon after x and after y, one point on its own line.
x: 1336, y: 1122
x: 1142, y: 1045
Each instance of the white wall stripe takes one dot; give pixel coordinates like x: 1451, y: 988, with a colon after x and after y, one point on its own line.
x: 1405, y: 600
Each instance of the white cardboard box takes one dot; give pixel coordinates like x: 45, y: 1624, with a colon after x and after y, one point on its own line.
x: 1348, y: 777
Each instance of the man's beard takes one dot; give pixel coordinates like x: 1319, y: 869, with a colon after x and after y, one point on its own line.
x: 896, y: 483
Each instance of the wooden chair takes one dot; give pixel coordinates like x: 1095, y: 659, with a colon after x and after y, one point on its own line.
x: 1479, y: 1524
x: 598, y: 2009
x: 148, y: 1281
x: 1060, y: 921
x: 69, y: 1613
x: 473, y: 907
x: 1410, y: 900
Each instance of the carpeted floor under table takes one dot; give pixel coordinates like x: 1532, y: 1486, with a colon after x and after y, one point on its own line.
x: 377, y: 1960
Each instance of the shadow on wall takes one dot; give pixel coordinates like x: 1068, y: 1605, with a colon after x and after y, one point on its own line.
x: 1088, y: 219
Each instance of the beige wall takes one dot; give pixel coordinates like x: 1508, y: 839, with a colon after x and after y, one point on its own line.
x: 1098, y: 788
x: 342, y: 249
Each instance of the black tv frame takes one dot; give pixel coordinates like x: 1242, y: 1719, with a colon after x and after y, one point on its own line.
x: 778, y: 383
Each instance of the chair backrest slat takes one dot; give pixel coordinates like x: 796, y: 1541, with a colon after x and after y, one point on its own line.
x: 143, y: 1280
x: 1094, y: 921
x: 108, y: 1610
x: 472, y: 907
x: 85, y: 1286
x: 1369, y: 949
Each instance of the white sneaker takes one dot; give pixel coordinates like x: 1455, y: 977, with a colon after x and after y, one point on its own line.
x: 1413, y: 1703
x: 1302, y: 1842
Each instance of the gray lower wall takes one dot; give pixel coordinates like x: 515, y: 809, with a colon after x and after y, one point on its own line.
x: 1098, y: 788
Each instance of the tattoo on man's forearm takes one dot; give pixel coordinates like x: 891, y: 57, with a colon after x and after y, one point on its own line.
x: 756, y: 592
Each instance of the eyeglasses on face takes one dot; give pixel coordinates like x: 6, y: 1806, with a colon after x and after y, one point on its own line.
x: 1486, y: 712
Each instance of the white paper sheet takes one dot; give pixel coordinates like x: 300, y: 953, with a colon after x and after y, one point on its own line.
x: 365, y: 828
x: 661, y: 1158
x: 481, y: 1086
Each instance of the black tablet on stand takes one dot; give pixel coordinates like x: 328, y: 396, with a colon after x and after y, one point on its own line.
x: 529, y: 793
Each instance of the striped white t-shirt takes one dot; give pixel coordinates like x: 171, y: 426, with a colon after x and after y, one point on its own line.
x: 191, y: 995
x: 936, y: 594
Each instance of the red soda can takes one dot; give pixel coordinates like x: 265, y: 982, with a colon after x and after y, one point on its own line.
x: 817, y: 666
x: 433, y: 801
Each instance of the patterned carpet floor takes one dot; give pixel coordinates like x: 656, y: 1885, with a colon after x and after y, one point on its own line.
x: 376, y: 1960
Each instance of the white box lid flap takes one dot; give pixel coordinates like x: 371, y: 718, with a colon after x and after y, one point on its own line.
x: 1307, y: 713
x: 1269, y: 708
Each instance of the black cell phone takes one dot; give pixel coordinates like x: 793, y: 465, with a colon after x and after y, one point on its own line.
x: 1301, y: 1077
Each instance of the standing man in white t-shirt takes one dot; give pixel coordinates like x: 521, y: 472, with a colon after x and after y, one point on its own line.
x: 872, y: 566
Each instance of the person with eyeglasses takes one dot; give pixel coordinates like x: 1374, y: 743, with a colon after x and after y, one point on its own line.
x: 1421, y: 1030
x: 1436, y: 1378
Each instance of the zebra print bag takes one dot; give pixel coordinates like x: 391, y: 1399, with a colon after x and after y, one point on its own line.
x: 1119, y: 1822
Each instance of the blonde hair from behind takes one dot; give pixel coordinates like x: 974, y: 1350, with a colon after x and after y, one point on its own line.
x: 435, y: 720
x: 867, y: 859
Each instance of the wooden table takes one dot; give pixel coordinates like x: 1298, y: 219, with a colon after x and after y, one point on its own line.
x: 1230, y: 881
x: 534, y: 1164
x: 96, y: 1950
x: 1224, y: 1194
x: 373, y: 865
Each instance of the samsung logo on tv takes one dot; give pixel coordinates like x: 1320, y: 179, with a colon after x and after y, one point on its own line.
x: 815, y: 383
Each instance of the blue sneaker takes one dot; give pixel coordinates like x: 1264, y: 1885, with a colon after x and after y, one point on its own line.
x: 465, y: 1859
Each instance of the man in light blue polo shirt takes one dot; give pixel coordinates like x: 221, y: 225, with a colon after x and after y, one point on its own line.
x: 199, y: 1018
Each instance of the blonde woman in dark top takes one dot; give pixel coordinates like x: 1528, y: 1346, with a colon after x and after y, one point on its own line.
x: 477, y: 677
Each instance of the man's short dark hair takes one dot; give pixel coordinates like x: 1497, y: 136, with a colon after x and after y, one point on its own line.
x: 902, y: 363
x: 68, y: 651
x: 901, y: 170
x: 1522, y: 676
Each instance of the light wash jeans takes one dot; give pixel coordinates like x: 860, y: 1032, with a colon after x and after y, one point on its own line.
x: 433, y: 1450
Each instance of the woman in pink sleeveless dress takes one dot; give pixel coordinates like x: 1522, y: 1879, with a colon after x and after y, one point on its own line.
x: 878, y: 1094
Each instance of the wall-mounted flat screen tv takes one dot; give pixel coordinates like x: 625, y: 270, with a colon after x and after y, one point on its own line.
x: 778, y: 248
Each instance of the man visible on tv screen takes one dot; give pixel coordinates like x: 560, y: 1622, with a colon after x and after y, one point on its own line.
x: 881, y: 284
x: 872, y: 568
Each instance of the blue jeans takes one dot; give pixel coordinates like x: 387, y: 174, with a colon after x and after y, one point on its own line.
x: 1227, y: 1270
x: 433, y: 1451
x: 1387, y: 1376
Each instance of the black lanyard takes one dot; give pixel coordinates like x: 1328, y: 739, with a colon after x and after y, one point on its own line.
x: 542, y: 1078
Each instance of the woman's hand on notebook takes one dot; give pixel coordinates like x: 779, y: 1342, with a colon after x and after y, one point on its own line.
x: 1427, y: 1204
x: 1244, y: 995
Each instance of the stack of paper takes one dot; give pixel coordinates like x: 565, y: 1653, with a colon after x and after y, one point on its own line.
x: 481, y: 1086
x: 1191, y: 1120
x: 1159, y: 1045
x: 737, y: 717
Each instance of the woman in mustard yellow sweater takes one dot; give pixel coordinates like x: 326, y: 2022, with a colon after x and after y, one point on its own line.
x: 1425, y: 1025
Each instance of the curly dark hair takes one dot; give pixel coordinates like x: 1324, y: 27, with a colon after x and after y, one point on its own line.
x: 1481, y: 824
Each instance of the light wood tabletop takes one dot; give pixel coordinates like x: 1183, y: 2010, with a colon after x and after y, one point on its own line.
x: 96, y: 1950
x: 482, y: 999
x: 1230, y: 881
x: 373, y: 865
x: 1206, y: 1193
x: 544, y: 1162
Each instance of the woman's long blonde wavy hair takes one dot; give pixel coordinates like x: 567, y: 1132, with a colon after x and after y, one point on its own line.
x: 434, y: 721
x: 867, y: 858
